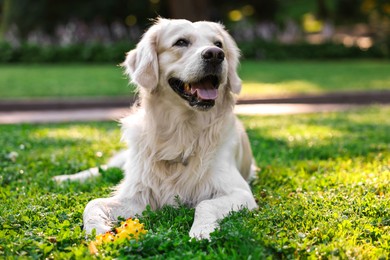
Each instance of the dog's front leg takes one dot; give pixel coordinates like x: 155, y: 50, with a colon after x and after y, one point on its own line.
x: 208, y: 212
x: 101, y: 214
x: 117, y: 161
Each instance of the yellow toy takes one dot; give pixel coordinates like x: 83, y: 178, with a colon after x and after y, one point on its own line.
x: 129, y: 229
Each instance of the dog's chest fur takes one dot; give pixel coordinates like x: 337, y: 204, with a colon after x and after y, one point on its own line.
x: 173, y: 157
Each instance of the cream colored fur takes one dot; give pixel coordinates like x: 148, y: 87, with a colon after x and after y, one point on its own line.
x: 201, y: 157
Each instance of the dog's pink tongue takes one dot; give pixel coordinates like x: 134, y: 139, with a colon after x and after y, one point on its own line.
x: 204, y: 90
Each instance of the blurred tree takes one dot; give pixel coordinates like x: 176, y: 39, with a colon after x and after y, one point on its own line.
x: 257, y: 10
x: 4, y: 19
x: 265, y: 10
x: 89, y: 11
x: 378, y: 13
x: 348, y: 11
x: 46, y: 15
x: 322, y: 10
x: 15, y: 10
x: 191, y: 10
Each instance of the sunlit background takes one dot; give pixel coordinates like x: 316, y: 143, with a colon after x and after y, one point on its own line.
x: 362, y: 24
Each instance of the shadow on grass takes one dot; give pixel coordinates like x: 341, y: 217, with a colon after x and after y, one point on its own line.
x: 333, y: 137
x: 32, y: 154
x: 313, y: 143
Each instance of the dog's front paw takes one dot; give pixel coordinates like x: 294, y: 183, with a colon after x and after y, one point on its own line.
x: 97, y: 217
x: 100, y: 228
x: 61, y: 178
x: 202, y: 231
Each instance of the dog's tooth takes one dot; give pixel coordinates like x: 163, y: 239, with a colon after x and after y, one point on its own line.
x: 187, y: 87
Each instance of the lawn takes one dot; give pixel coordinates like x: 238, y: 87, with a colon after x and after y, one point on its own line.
x: 323, y: 189
x: 26, y: 81
x: 311, y: 77
x: 259, y: 78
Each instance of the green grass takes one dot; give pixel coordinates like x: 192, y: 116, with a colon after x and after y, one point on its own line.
x: 259, y: 78
x: 323, y: 189
x: 304, y: 77
x: 24, y: 81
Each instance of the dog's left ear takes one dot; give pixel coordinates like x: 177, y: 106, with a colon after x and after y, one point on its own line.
x: 232, y: 55
x: 141, y: 64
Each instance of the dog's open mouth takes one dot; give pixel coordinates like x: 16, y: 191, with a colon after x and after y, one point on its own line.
x: 201, y: 94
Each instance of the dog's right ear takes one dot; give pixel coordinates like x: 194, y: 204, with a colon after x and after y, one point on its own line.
x: 141, y: 64
x: 232, y: 55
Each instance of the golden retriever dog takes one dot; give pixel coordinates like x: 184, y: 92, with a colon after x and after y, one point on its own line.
x: 183, y: 139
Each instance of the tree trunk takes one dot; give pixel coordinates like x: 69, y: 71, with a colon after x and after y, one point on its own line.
x: 191, y: 10
x: 4, y: 23
x: 322, y: 10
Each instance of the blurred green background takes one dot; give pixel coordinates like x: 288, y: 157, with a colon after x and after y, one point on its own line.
x: 288, y: 47
x: 265, y: 29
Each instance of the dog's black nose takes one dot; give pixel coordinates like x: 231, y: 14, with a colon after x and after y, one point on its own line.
x: 213, y: 55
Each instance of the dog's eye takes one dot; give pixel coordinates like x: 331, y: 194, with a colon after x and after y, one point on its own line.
x: 218, y: 44
x: 181, y: 43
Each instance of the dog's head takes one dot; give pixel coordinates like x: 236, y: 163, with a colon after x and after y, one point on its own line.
x: 193, y: 60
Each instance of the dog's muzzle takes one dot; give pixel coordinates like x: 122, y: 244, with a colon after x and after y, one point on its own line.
x: 202, y: 93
